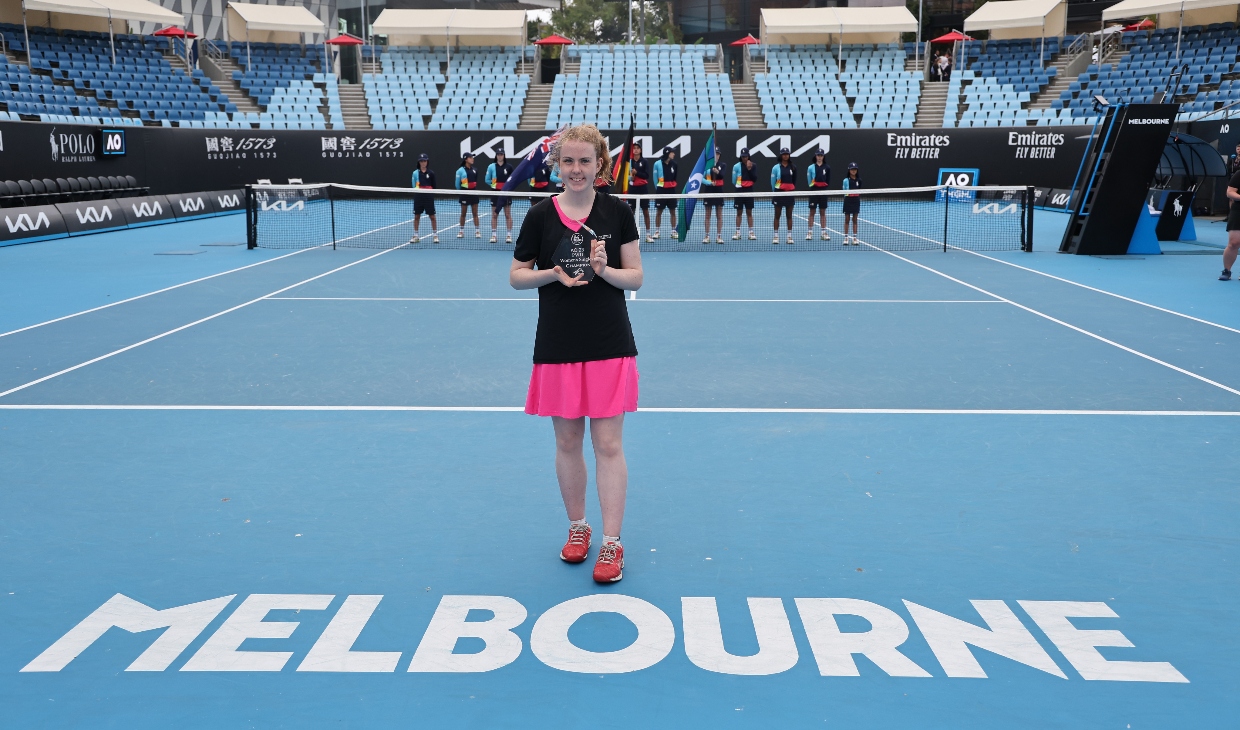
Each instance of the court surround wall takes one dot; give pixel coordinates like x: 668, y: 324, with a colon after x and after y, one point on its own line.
x: 189, y: 160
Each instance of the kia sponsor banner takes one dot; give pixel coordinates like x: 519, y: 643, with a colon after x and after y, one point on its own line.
x: 33, y: 223
x: 146, y: 210
x: 91, y: 216
x: 172, y: 161
x: 228, y: 201
x: 191, y: 205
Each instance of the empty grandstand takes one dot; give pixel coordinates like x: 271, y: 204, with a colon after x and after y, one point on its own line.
x: 71, y: 77
x: 810, y: 86
x: 664, y: 87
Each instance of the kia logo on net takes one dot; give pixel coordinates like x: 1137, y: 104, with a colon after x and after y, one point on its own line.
x: 282, y: 206
x: 24, y: 223
x: 92, y: 215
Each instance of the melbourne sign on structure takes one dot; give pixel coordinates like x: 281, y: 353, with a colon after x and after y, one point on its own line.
x: 952, y: 640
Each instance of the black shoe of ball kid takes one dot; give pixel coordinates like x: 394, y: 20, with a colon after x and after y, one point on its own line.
x: 1225, y: 276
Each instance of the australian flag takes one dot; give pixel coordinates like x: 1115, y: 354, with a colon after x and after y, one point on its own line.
x: 532, y: 161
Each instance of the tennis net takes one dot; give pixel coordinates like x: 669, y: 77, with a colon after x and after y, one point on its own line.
x: 989, y: 218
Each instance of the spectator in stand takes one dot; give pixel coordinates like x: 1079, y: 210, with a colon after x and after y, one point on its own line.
x: 424, y: 179
x: 784, y: 179
x: 934, y: 68
x: 945, y: 67
x: 744, y: 175
x: 467, y: 179
x: 665, y: 182
x: 712, y: 198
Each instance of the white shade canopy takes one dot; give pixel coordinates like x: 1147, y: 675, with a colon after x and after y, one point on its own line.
x: 136, y: 10
x: 1011, y: 14
x: 445, y: 27
x: 1137, y: 8
x: 801, y: 25
x: 286, y: 18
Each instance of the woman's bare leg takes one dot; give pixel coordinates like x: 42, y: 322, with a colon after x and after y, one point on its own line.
x: 570, y: 464
x: 611, y: 471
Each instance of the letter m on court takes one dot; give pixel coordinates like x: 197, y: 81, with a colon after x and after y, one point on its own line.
x: 182, y: 623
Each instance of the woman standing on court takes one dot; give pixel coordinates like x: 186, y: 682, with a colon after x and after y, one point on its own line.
x: 585, y: 359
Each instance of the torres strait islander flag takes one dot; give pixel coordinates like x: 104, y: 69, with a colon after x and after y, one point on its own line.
x: 526, y: 169
x: 684, y: 210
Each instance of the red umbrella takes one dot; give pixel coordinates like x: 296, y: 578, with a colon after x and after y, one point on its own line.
x: 1143, y: 24
x: 952, y: 37
x: 554, y: 40
x: 171, y: 32
x: 344, y: 40
x: 748, y: 40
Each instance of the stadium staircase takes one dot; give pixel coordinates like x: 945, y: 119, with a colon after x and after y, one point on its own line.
x: 232, y: 88
x: 353, y: 106
x: 537, y: 102
x: 930, y: 108
x: 1060, y: 84
x: 748, y: 106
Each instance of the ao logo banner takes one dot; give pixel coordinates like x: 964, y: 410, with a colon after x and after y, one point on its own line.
x: 958, y: 177
x: 113, y: 142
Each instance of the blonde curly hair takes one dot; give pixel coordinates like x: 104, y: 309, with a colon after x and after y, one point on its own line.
x: 589, y: 134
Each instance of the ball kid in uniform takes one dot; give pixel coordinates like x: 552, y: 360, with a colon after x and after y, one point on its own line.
x: 585, y: 358
x: 744, y: 176
x: 639, y: 184
x: 467, y: 179
x: 424, y: 179
x: 712, y: 197
x: 852, y: 203
x: 498, y: 173
x: 819, y: 175
x: 783, y: 179
x: 665, y: 170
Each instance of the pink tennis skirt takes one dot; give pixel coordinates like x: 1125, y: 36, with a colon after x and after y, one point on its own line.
x: 595, y: 389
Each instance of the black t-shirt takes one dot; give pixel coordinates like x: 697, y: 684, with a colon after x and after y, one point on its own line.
x: 580, y: 323
x: 1235, y: 183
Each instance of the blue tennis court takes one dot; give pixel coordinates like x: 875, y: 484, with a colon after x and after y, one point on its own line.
x: 881, y: 489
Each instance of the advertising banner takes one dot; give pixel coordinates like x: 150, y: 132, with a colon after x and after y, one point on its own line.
x: 191, y: 205
x: 146, y: 210
x: 173, y: 161
x: 92, y: 216
x: 33, y: 223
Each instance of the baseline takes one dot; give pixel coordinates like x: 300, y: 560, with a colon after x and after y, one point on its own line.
x: 521, y: 409
x: 652, y: 299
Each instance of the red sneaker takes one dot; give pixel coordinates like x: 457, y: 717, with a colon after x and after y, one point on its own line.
x: 578, y: 545
x: 609, y: 567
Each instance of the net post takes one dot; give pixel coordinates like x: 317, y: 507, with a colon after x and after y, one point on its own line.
x: 251, y: 218
x: 947, y: 201
x: 331, y: 201
x: 1027, y: 244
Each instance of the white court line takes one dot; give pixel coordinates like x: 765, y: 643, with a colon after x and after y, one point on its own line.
x: 520, y: 409
x: 1102, y: 291
x: 1048, y: 317
x: 533, y: 299
x: 208, y: 318
x: 157, y: 291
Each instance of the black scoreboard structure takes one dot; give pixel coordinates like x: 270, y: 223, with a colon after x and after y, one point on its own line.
x: 1114, y: 177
